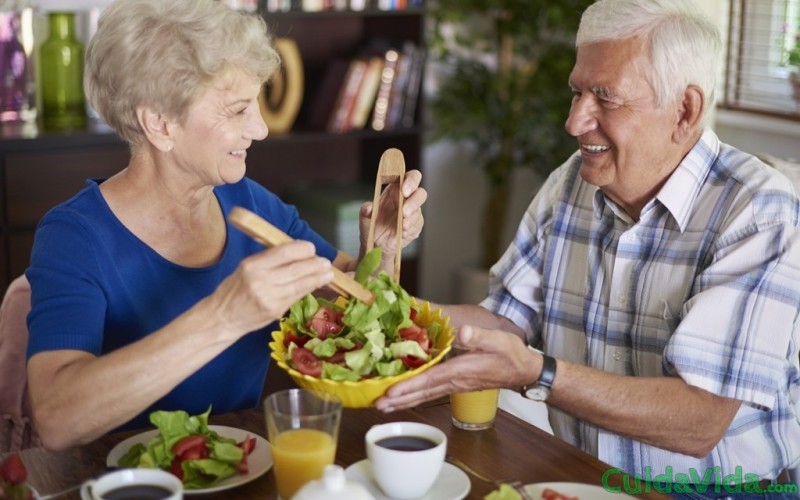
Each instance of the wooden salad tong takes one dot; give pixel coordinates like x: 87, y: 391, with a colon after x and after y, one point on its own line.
x: 265, y: 233
x: 391, y: 169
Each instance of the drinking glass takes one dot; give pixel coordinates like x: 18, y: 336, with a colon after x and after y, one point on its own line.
x: 474, y: 410
x: 303, y: 428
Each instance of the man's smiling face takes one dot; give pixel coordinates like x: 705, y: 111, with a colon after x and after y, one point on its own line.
x: 625, y: 140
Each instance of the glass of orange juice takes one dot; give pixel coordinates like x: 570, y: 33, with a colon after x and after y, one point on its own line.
x: 475, y: 410
x: 303, y: 428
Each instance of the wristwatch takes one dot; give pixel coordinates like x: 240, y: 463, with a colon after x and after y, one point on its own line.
x: 540, y: 391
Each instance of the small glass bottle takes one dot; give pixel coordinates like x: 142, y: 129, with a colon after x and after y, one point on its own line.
x: 17, y: 86
x: 63, y: 102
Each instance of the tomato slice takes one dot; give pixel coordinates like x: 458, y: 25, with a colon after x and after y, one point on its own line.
x: 417, y: 333
x: 248, y: 444
x: 413, y: 314
x: 412, y: 362
x: 305, y: 362
x: 188, y: 443
x: 298, y: 339
x: 326, y: 321
x: 242, y: 467
x: 177, y: 468
x: 550, y: 494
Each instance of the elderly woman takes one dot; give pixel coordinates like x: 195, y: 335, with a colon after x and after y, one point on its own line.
x: 143, y: 297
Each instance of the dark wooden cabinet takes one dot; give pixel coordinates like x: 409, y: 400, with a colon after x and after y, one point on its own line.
x: 39, y: 170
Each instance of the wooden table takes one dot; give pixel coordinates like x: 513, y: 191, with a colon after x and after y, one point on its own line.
x: 512, y: 449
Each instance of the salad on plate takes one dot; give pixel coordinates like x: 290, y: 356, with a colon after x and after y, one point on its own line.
x: 187, y: 447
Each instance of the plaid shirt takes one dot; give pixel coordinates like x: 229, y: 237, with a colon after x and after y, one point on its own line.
x: 705, y: 286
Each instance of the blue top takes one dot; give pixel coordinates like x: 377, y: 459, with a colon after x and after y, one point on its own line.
x: 97, y: 287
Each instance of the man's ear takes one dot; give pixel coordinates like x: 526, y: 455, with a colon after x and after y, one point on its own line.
x: 156, y: 127
x: 689, y: 114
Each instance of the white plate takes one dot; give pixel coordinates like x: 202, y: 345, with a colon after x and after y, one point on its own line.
x: 258, y: 462
x: 451, y: 484
x: 580, y: 490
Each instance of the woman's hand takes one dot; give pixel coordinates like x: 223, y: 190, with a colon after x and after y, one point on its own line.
x: 414, y: 197
x: 266, y: 284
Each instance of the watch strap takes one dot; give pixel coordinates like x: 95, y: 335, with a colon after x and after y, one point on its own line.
x: 546, y: 376
x: 548, y: 373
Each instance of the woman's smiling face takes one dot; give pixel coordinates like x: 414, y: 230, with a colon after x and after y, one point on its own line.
x: 220, y: 126
x: 626, y: 142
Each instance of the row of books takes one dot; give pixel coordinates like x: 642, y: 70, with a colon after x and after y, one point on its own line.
x: 320, y: 5
x: 376, y: 90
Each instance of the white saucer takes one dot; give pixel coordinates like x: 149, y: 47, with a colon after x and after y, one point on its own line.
x: 452, y: 483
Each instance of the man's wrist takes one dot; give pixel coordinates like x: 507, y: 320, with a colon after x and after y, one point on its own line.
x: 540, y: 390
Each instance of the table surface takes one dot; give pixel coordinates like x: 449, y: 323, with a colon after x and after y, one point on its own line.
x: 513, y: 448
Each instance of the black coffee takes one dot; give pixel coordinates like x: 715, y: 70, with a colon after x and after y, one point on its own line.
x: 406, y: 443
x: 138, y: 492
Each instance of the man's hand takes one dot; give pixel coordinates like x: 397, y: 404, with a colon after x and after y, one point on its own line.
x: 495, y: 359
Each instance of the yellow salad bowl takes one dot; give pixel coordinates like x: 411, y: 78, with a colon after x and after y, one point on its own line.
x: 364, y: 393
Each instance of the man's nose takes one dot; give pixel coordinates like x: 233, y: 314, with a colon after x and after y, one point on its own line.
x: 581, y: 117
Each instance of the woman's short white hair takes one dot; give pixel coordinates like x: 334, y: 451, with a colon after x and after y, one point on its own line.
x: 164, y: 53
x: 685, y: 46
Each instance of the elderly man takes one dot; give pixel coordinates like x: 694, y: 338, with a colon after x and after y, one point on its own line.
x: 658, y: 270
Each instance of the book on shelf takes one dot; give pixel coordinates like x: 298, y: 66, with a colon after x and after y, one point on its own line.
x: 367, y: 91
x: 345, y: 101
x: 403, y: 96
x: 399, y: 86
x: 312, y: 5
x: 415, y: 70
x: 388, y: 75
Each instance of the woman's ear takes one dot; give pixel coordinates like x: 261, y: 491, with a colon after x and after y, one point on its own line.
x: 690, y: 113
x: 156, y: 128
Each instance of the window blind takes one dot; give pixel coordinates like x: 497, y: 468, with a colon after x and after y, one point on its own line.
x: 756, y: 78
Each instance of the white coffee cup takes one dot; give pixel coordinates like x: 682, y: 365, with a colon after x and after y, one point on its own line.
x: 406, y: 457
x: 133, y: 483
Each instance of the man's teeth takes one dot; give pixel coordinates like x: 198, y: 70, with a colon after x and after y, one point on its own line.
x: 595, y: 149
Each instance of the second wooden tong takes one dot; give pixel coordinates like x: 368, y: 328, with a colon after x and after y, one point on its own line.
x: 265, y: 233
x: 391, y: 169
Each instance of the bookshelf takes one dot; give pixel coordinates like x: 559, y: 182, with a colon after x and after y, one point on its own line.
x: 325, y: 38
x: 40, y: 169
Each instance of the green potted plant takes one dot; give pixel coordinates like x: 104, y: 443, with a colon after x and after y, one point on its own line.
x: 506, y: 65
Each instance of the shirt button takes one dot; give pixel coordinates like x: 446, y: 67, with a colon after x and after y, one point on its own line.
x: 617, y: 355
x: 623, y: 297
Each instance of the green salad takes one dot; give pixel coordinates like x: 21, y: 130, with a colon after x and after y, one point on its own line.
x: 355, y: 341
x: 190, y: 450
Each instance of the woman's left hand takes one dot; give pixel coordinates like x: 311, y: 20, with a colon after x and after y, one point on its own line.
x: 414, y: 197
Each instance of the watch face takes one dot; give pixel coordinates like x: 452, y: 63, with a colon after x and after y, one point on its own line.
x: 537, y: 393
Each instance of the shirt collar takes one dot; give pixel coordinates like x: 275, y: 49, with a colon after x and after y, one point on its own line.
x: 679, y: 193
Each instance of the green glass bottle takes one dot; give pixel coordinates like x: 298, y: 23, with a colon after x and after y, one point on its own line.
x: 63, y: 102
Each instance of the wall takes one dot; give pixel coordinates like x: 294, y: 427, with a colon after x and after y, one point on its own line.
x: 456, y: 187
